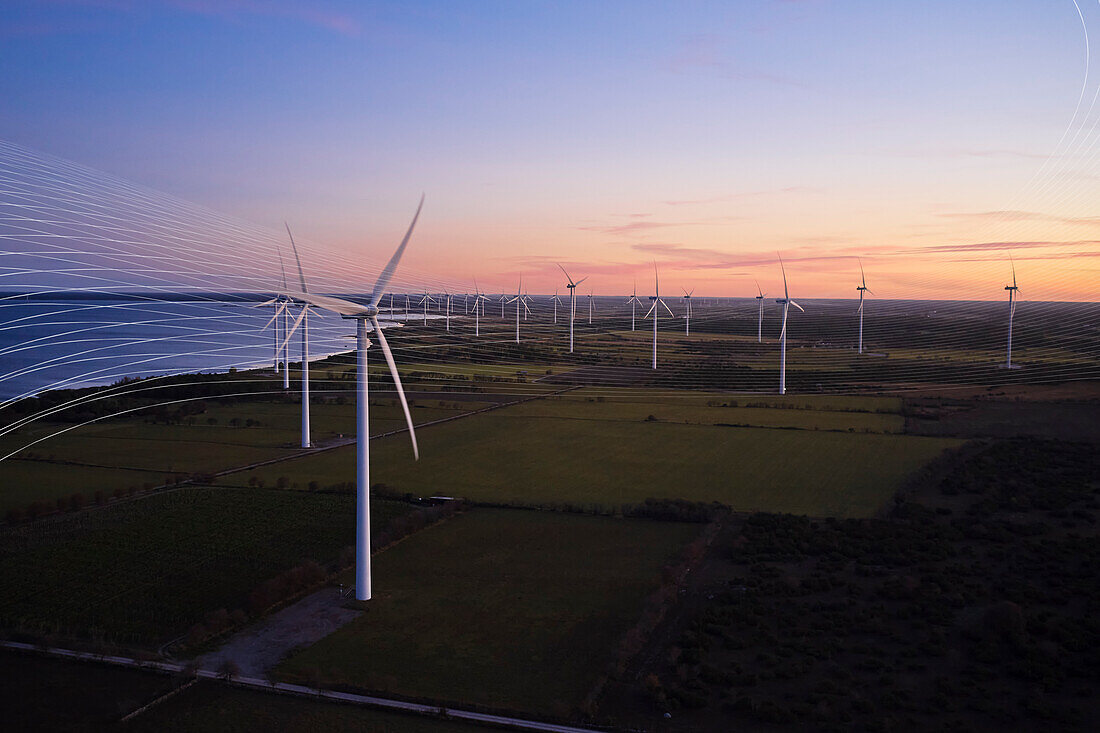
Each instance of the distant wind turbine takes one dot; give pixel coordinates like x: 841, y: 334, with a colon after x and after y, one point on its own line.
x: 760, y: 319
x: 786, y: 302
x: 1013, y: 294
x: 633, y: 301
x: 478, y: 300
x: 361, y: 314
x: 656, y: 311
x: 572, y: 302
x: 862, y: 288
x: 589, y: 307
x: 426, y: 301
x: 687, y: 310
x: 521, y: 302
x: 556, y: 301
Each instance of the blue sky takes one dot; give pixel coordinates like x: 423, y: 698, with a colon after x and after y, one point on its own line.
x: 703, y: 134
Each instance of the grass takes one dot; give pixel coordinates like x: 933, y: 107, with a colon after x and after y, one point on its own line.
x: 505, y: 608
x: 145, y: 571
x: 210, y: 706
x: 133, y: 452
x: 508, y: 457
x: 38, y: 693
x: 22, y: 482
x: 880, y: 415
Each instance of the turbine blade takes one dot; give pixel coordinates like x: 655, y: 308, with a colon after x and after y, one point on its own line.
x: 666, y: 307
x: 397, y: 377
x: 796, y: 305
x: 580, y: 281
x: 273, y: 301
x: 391, y: 266
x: 784, y: 269
x: 861, y: 275
x: 301, y: 275
x: 650, y: 310
x: 294, y: 328
x: 566, y: 273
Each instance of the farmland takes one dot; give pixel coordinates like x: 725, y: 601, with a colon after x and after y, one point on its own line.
x: 211, y: 707
x: 611, y: 453
x: 141, y: 451
x: 493, y: 606
x: 145, y: 571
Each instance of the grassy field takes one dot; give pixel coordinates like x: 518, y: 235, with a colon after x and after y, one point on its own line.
x: 209, y: 706
x: 42, y: 694
x: 861, y: 414
x: 604, y: 458
x: 129, y: 452
x: 144, y: 571
x: 507, y: 608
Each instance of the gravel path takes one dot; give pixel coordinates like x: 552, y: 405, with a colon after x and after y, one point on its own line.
x: 260, y: 647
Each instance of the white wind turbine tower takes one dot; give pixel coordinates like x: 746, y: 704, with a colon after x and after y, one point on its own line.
x: 503, y: 300
x: 760, y: 318
x: 521, y: 302
x: 361, y: 314
x: 862, y: 288
x: 786, y: 302
x: 656, y: 311
x: 279, y: 303
x: 589, y: 307
x: 572, y: 302
x: 447, y: 301
x: 633, y: 301
x: 1013, y: 293
x: 556, y: 301
x: 426, y: 301
x: 687, y: 310
x: 479, y: 300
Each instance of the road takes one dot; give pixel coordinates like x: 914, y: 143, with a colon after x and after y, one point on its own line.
x: 435, y: 711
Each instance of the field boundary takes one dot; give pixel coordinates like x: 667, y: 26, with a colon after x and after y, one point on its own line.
x: 285, y: 688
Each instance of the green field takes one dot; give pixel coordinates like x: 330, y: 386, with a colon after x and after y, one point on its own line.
x: 144, y: 571
x: 605, y: 459
x: 43, y: 694
x: 209, y: 706
x: 511, y: 609
x: 866, y: 414
x: 133, y: 452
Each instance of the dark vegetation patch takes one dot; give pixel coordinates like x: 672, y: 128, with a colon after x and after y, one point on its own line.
x: 146, y: 571
x: 974, y: 605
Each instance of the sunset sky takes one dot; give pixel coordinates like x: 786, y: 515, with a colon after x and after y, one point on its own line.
x: 931, y: 139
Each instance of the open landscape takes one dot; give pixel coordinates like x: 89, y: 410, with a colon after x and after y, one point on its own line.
x: 549, y: 367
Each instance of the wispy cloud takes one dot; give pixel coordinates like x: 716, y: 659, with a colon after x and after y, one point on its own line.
x: 1016, y: 215
x: 743, y: 195
x: 633, y: 227
x: 998, y: 246
x: 704, y: 53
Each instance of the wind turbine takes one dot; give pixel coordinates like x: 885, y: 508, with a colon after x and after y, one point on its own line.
x: 361, y: 314
x: 556, y: 301
x: 655, y: 310
x: 862, y: 288
x: 572, y: 302
x: 447, y: 301
x: 633, y: 301
x: 426, y: 301
x: 279, y: 304
x: 786, y: 302
x: 479, y: 299
x: 589, y: 307
x: 1013, y: 293
x: 521, y: 301
x: 303, y: 323
x: 760, y: 319
x: 687, y: 310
